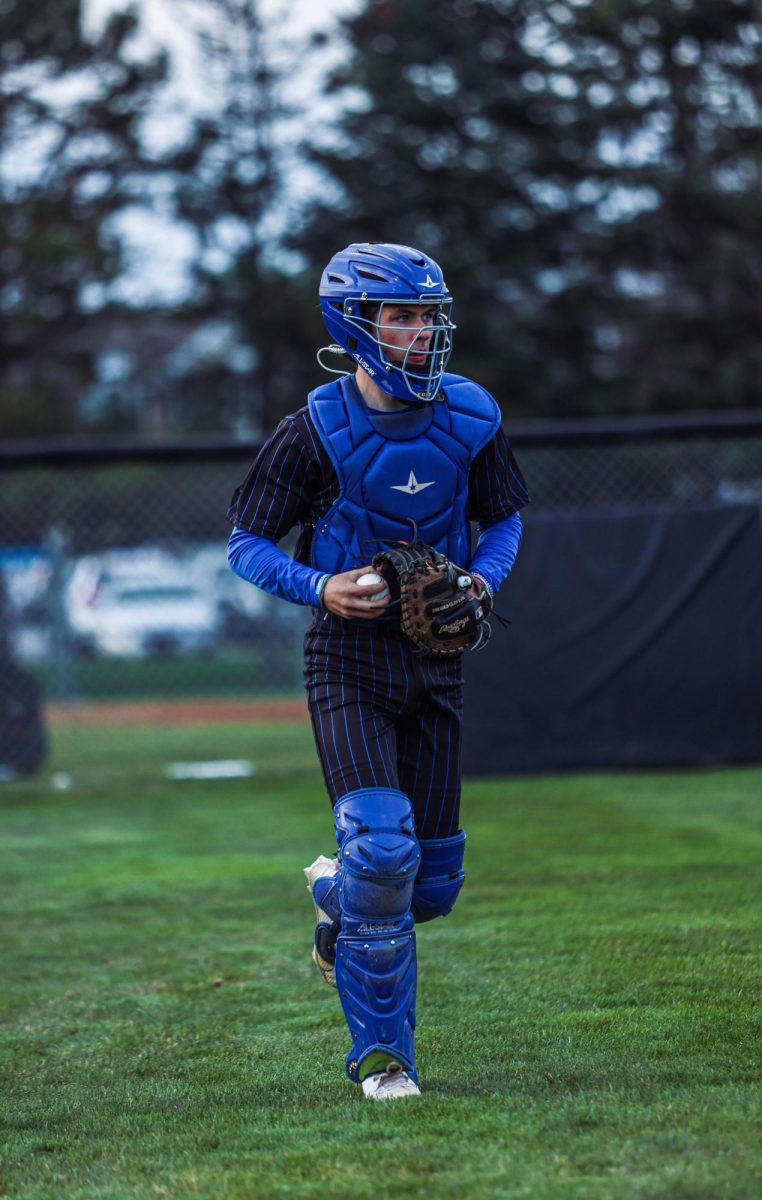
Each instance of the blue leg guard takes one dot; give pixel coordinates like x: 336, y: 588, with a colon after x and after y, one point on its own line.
x: 325, y: 893
x: 440, y: 876
x: 375, y: 951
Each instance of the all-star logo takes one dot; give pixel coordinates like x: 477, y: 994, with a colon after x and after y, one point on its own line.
x: 412, y: 486
x: 429, y: 282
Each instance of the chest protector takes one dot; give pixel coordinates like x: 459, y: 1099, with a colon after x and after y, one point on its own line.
x: 394, y: 468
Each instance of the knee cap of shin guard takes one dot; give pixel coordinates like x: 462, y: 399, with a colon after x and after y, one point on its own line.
x: 378, y: 853
x: 440, y: 877
x: 373, y: 809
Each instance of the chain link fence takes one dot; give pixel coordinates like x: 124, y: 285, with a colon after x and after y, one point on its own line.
x: 114, y: 583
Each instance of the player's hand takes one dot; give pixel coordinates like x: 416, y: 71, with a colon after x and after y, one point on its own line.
x: 344, y: 597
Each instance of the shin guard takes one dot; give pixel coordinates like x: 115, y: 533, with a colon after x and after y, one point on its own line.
x: 375, y: 951
x: 440, y: 876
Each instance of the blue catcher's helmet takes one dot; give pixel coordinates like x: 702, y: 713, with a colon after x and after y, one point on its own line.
x: 356, y: 285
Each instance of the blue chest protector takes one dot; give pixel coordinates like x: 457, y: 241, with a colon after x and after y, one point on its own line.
x: 397, y: 467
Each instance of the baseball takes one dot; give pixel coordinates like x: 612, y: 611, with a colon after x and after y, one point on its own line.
x: 371, y: 577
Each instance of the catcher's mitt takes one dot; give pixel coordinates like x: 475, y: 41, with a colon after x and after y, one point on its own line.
x: 437, y: 612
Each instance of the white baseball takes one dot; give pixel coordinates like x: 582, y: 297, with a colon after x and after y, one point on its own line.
x: 370, y: 577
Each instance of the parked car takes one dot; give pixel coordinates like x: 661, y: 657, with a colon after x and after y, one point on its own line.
x: 244, y: 610
x: 135, y: 617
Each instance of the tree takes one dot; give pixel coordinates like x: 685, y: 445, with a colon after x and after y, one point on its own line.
x: 233, y: 352
x: 239, y: 198
x: 71, y: 158
x: 80, y: 123
x: 588, y: 174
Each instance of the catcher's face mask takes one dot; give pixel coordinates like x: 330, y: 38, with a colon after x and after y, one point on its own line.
x: 388, y: 308
x: 413, y: 339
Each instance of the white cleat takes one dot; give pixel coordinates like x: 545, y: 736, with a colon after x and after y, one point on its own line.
x: 321, y: 867
x: 392, y: 1084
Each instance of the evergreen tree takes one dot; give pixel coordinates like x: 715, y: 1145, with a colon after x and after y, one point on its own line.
x: 71, y: 157
x: 76, y: 120
x: 228, y: 195
x: 241, y: 191
x: 588, y: 175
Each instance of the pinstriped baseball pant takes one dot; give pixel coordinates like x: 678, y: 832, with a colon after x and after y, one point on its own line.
x: 385, y: 716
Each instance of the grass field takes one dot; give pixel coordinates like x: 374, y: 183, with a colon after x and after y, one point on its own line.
x: 585, y: 1015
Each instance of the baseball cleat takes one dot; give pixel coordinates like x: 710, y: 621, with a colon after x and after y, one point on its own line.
x: 326, y: 932
x: 392, y: 1084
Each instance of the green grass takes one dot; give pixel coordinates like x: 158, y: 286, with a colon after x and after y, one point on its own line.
x: 585, y: 1015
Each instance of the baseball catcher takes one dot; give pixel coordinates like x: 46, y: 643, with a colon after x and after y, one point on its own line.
x: 394, y: 442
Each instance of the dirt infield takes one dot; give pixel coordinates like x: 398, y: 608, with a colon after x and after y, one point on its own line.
x: 178, y: 712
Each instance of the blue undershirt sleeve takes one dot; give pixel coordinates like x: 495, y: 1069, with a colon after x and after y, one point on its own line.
x: 259, y: 561
x: 496, y: 550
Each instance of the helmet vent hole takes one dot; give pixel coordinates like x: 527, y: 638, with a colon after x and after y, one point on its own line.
x: 366, y: 274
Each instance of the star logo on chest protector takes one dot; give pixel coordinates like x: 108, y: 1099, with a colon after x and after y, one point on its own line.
x: 412, y: 486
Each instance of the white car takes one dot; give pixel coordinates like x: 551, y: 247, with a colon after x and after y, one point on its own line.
x: 208, y: 566
x: 134, y: 618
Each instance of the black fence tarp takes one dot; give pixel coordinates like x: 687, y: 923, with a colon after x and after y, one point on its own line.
x: 636, y: 642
